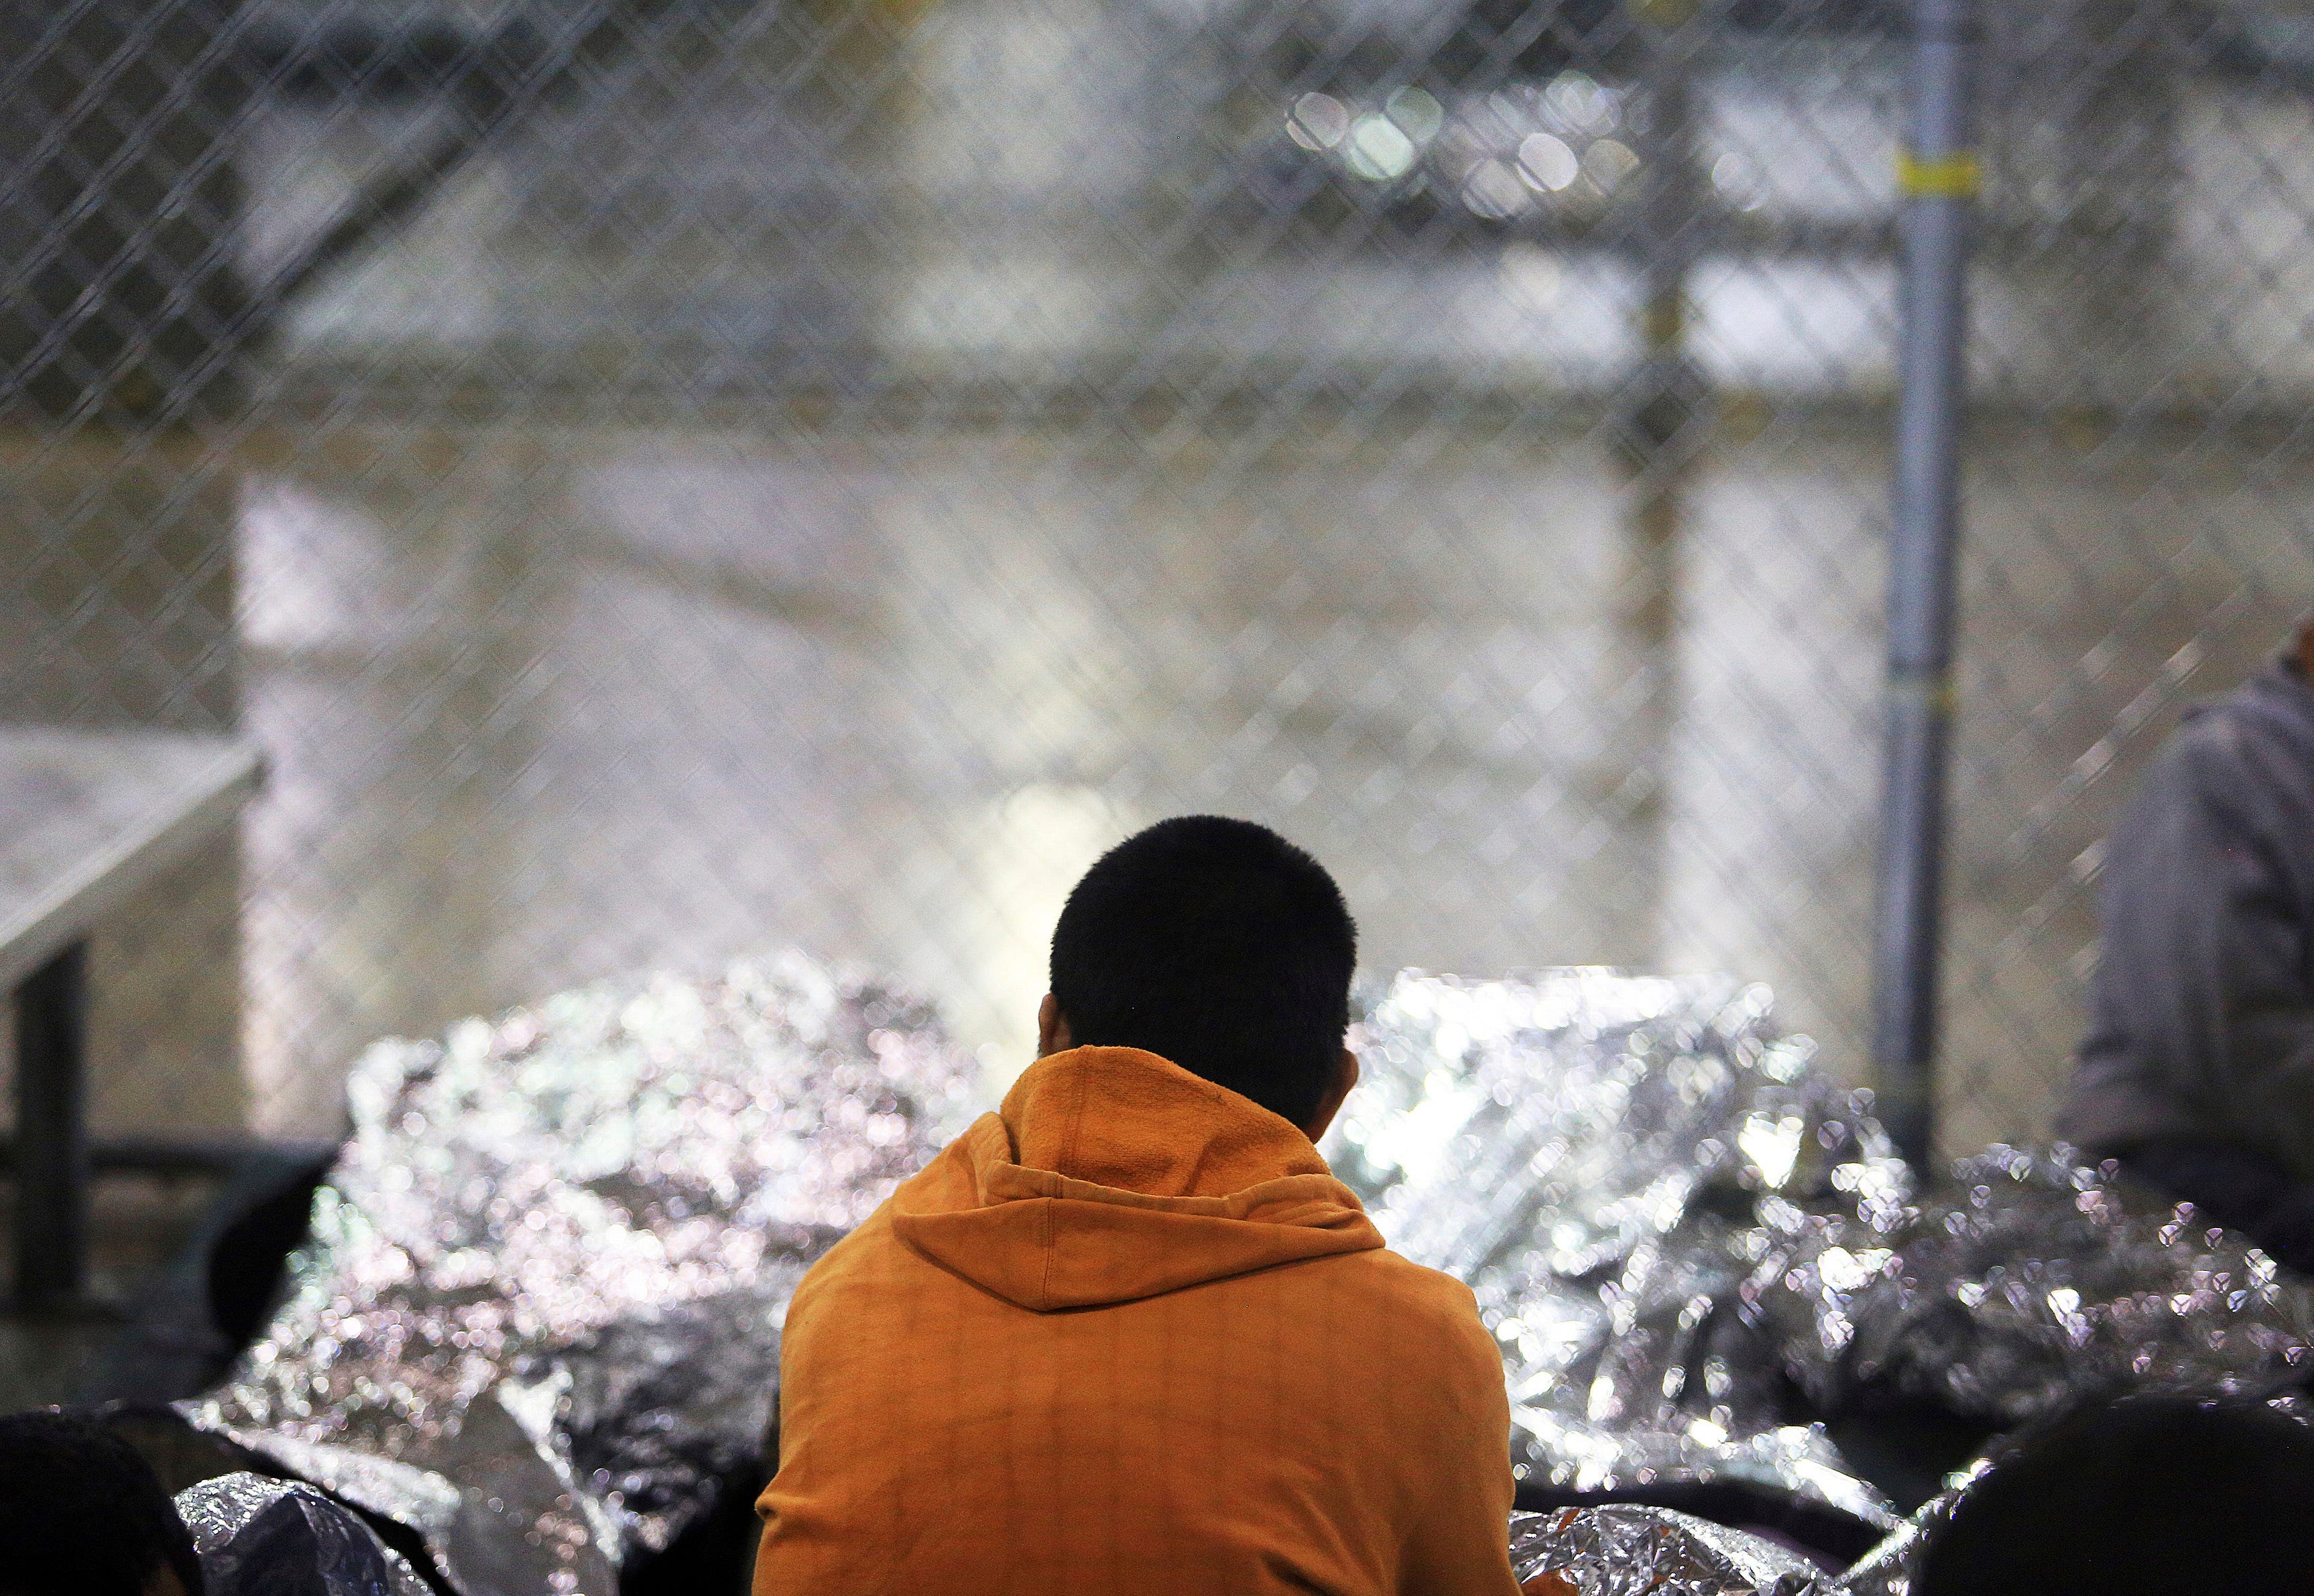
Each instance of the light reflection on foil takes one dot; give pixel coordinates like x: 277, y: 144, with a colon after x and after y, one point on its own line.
x: 1621, y: 1549
x: 1589, y: 1151
x: 1693, y: 1246
x: 257, y: 1536
x: 2035, y: 1281
x: 538, y: 1315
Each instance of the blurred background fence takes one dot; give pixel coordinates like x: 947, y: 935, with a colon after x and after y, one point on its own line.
x: 661, y: 478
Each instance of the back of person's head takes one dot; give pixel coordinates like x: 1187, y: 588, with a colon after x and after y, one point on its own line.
x: 2145, y: 1496
x: 1220, y: 946
x: 83, y: 1514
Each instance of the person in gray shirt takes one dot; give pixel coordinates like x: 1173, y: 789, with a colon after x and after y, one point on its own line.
x: 2197, y: 1073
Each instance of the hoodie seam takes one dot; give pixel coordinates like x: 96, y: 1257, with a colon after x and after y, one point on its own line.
x: 1045, y: 1281
x: 1068, y: 1156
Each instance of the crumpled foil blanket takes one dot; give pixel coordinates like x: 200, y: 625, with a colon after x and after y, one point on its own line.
x: 1693, y: 1247
x: 1590, y: 1151
x: 259, y: 1537
x: 539, y: 1314
x: 2031, y: 1281
x: 1621, y: 1549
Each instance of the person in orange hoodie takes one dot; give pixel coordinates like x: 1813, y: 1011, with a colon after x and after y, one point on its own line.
x: 1127, y: 1335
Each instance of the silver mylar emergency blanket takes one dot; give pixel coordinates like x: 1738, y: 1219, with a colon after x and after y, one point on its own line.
x: 1621, y: 1549
x: 1692, y: 1245
x: 539, y: 1314
x: 1590, y: 1151
x: 259, y: 1537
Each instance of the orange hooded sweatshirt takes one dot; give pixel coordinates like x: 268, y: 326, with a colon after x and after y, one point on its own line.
x: 1129, y: 1336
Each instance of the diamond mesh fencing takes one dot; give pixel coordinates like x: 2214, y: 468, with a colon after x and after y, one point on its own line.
x: 663, y: 479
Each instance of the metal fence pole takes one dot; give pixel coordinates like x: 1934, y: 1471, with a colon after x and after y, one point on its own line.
x: 1938, y: 176
x: 1659, y: 422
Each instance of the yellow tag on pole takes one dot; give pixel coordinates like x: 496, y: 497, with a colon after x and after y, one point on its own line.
x: 1949, y: 177
x: 1933, y: 691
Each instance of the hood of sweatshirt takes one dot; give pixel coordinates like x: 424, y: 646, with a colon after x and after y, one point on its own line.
x: 1111, y: 1175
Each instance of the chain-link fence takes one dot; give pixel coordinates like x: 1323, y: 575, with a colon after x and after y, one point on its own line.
x: 662, y: 478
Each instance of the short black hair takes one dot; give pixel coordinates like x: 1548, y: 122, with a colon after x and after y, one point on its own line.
x: 82, y: 1514
x: 1218, y: 945
x: 2167, y: 1494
